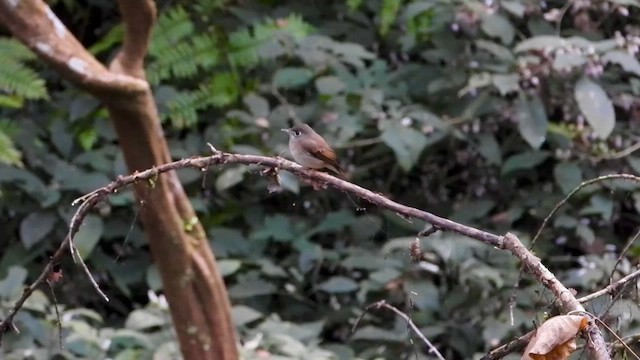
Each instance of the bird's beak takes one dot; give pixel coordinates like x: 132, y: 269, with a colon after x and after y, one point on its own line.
x: 286, y: 130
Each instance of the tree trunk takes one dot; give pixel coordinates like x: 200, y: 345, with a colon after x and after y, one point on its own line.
x: 193, y: 285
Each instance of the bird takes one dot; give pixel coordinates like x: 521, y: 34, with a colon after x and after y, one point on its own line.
x: 311, y: 151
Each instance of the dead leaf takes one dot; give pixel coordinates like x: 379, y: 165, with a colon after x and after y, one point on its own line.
x: 555, y: 338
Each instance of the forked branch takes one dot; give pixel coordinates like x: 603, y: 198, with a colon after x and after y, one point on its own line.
x: 510, y: 242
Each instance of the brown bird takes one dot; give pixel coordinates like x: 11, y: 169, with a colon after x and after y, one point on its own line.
x: 310, y: 150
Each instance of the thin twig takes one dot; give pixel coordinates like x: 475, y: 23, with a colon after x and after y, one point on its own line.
x: 578, y: 188
x: 512, y: 346
x: 626, y: 248
x: 620, y: 154
x: 55, y: 306
x: 383, y: 304
x: 595, y: 318
x: 612, y: 288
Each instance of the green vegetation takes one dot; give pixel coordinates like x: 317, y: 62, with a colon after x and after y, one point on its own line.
x: 487, y: 113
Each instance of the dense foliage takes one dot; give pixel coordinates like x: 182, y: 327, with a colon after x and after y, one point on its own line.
x: 488, y: 113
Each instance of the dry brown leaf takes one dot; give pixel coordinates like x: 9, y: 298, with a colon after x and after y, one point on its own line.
x: 555, y: 338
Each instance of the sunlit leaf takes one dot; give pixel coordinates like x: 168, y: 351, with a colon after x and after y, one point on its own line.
x: 292, y: 77
x: 35, y: 227
x: 338, y: 284
x: 596, y: 106
x: 532, y: 120
x: 406, y: 143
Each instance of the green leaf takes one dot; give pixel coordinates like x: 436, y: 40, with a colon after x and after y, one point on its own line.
x: 11, y: 285
x: 388, y: 14
x: 229, y: 266
x: 532, y: 120
x: 568, y: 176
x: 490, y: 149
x: 329, y: 85
x: 88, y: 235
x: 142, y: 319
x: 276, y: 227
x: 8, y: 152
x: 568, y: 61
x: 524, y: 161
x: 250, y: 288
x: 497, y: 50
x: 496, y: 25
x: 36, y: 226
x: 243, y: 314
x: 154, y: 281
x: 540, y: 42
x: 335, y: 221
x: 87, y: 138
x: 601, y: 205
x: 230, y: 177
x: 258, y: 106
x: 596, y: 107
x: 292, y: 77
x: 338, y: 284
x: 628, y: 62
x: 506, y: 83
x: 223, y: 89
x: 406, y: 143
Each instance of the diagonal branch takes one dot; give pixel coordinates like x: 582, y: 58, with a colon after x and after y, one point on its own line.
x: 508, y: 242
x: 138, y: 17
x: 35, y: 25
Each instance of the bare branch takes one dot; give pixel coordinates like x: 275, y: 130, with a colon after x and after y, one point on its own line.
x: 138, y: 18
x: 383, y: 304
x: 509, y: 242
x: 574, y: 191
x: 33, y: 23
x: 516, y: 345
x: 624, y: 251
x: 613, y: 288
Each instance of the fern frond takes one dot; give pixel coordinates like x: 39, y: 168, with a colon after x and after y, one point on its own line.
x: 17, y: 78
x: 221, y: 90
x: 183, y: 109
x: 14, y: 50
x: 176, y: 52
x: 245, y: 44
x: 173, y: 27
x: 111, y: 38
x: 8, y: 152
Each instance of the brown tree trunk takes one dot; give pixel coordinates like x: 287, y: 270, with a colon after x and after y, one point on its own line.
x: 193, y: 285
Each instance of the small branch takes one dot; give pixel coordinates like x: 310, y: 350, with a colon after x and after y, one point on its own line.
x: 624, y: 251
x: 55, y: 305
x: 620, y: 154
x: 516, y: 345
x: 383, y: 304
x: 611, y: 289
x: 508, y: 242
x: 138, y: 18
x: 74, y: 226
x: 428, y: 231
x: 567, y: 300
x: 574, y: 191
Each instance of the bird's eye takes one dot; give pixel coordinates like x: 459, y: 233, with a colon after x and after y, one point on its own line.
x: 296, y: 133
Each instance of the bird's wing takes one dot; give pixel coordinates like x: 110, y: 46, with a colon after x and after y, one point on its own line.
x: 323, y: 151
